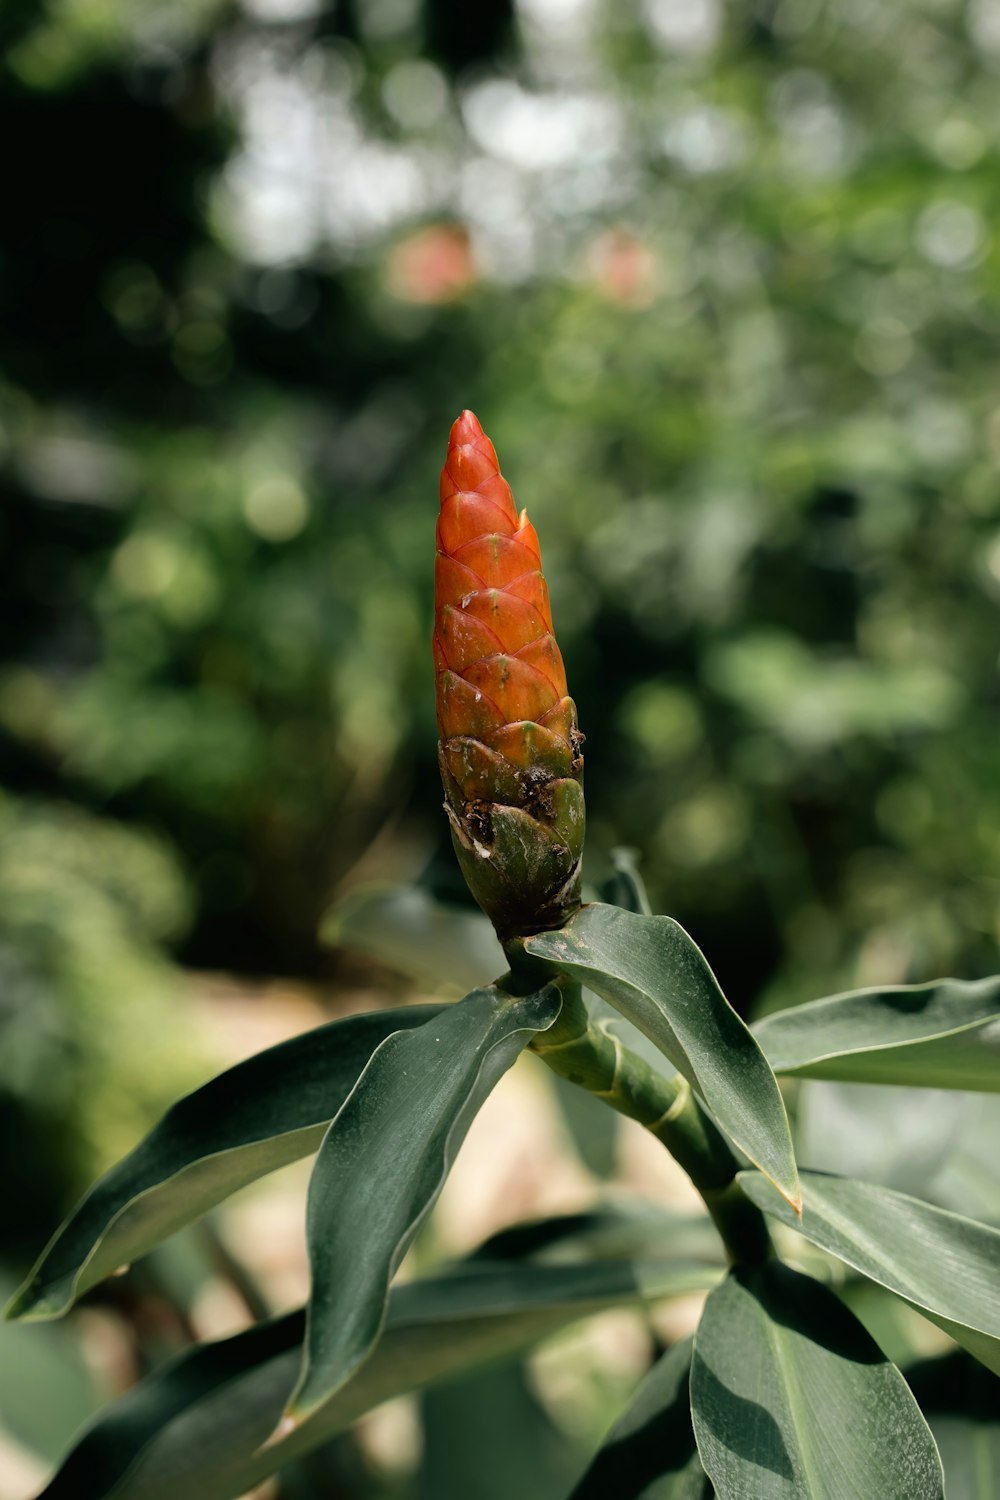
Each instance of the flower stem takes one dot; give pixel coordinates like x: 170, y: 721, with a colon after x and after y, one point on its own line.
x: 594, y: 1058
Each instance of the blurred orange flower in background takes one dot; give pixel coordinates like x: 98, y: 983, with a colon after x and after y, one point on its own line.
x: 436, y: 264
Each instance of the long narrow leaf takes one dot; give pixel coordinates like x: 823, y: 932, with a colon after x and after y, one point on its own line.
x: 655, y: 975
x: 650, y: 1452
x: 969, y: 1181
x: 901, y: 1137
x: 617, y: 1228
x: 792, y: 1400
x: 961, y: 1402
x: 944, y: 1035
x: 448, y: 949
x: 196, y: 1429
x: 625, y: 887
x: 945, y: 1266
x: 250, y: 1120
x: 384, y: 1161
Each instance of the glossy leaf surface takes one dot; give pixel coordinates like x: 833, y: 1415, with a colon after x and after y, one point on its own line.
x: 946, y: 1266
x: 944, y: 1035
x: 385, y: 1159
x: 655, y: 975
x: 250, y: 1120
x: 792, y: 1400
x: 196, y: 1428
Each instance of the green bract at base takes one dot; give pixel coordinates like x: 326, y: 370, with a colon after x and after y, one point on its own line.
x: 521, y: 863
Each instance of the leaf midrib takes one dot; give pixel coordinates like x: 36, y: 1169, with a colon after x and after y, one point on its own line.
x: 773, y: 1335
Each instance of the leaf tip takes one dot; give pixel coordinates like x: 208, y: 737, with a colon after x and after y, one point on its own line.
x: 25, y: 1306
x: 792, y: 1193
x: 290, y: 1420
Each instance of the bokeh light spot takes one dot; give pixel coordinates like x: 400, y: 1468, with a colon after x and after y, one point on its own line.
x: 276, y: 508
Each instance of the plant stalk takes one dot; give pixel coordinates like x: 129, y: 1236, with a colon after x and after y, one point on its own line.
x: 597, y: 1060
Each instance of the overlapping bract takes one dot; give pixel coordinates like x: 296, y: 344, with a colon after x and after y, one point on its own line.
x: 510, y: 747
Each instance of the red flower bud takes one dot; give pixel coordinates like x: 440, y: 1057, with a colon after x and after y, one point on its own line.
x: 510, y: 747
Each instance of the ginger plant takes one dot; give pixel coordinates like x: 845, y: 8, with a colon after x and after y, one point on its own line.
x: 781, y: 1392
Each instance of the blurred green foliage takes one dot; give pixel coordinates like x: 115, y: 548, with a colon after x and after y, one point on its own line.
x: 86, y: 1000
x: 723, y: 284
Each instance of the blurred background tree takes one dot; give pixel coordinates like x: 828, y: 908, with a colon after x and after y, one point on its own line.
x: 722, y: 283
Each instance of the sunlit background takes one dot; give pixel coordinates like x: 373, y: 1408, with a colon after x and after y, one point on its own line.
x: 723, y: 284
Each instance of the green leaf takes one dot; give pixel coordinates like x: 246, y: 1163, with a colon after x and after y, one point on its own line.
x: 945, y: 1266
x: 592, y: 1128
x: 467, y: 1450
x: 792, y: 1400
x: 384, y: 1161
x: 938, y: 1144
x: 651, y: 971
x: 448, y: 949
x: 944, y: 1035
x: 616, y: 1229
x: 901, y: 1137
x: 962, y: 1405
x: 255, y: 1117
x: 903, y: 1334
x: 625, y: 886
x: 969, y: 1182
x: 197, y: 1428
x: 650, y: 1452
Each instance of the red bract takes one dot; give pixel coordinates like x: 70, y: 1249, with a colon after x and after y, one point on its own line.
x: 509, y: 739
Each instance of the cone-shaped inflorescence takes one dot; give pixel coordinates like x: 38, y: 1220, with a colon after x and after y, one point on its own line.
x: 510, y: 746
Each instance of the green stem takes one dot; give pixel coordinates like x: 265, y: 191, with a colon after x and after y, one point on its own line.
x: 597, y: 1060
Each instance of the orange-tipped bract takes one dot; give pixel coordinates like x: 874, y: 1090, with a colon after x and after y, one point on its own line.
x: 510, y: 747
